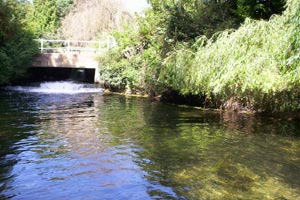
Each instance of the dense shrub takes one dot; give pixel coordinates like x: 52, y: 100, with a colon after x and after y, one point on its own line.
x: 17, y: 46
x: 253, y: 67
x: 257, y: 64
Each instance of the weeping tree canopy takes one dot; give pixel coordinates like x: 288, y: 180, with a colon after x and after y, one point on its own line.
x: 255, y: 66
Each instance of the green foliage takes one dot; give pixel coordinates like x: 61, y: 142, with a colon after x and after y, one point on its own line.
x: 259, y: 9
x: 255, y: 66
x: 20, y: 23
x: 185, y: 20
x: 16, y: 42
x: 63, y: 7
x: 44, y: 19
x: 127, y: 66
x: 44, y: 16
x: 137, y: 61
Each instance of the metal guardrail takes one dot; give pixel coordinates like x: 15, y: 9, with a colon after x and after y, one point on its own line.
x: 63, y: 46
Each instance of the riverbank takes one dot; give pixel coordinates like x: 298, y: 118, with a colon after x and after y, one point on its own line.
x: 174, y: 98
x: 255, y: 67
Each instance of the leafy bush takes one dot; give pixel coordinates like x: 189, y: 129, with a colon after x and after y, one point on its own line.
x: 257, y: 65
x: 254, y: 67
x: 17, y: 46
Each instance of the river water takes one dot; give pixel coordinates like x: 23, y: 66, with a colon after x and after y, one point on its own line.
x: 69, y: 141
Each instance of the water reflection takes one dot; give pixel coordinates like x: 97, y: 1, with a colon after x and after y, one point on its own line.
x: 90, y: 146
x: 204, y: 154
x: 71, y: 121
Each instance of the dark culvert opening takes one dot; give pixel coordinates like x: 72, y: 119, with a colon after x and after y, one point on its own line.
x: 40, y: 74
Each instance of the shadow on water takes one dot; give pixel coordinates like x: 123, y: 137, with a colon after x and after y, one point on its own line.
x: 136, y: 149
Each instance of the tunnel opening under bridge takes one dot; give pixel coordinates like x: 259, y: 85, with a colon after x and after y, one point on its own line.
x: 40, y: 74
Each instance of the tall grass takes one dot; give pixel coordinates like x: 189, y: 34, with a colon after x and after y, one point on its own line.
x: 257, y: 65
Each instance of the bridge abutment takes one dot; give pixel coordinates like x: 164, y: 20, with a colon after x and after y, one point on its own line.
x: 68, y: 60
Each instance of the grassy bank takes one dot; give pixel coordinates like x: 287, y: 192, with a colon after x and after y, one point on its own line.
x: 254, y: 67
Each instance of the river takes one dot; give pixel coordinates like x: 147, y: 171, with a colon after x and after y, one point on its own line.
x: 69, y: 141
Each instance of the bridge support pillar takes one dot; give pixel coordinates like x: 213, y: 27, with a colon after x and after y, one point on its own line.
x: 97, y: 75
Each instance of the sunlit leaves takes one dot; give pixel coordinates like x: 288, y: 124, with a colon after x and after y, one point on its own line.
x: 44, y: 18
x: 255, y: 61
x: 16, y: 41
x: 257, y: 64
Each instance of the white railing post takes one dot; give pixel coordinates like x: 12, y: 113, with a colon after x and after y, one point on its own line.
x: 68, y: 45
x: 112, y: 42
x: 42, y: 44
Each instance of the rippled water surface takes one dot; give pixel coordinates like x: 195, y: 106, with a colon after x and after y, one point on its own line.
x: 91, y: 146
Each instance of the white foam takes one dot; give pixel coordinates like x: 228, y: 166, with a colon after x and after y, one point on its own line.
x: 59, y: 87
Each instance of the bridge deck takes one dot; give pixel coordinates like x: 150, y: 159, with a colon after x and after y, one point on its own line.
x: 72, y: 54
x: 69, y: 60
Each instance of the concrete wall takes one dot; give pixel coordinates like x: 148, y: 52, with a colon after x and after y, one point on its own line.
x: 68, y: 60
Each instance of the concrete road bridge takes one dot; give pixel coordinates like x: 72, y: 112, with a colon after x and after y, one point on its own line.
x: 60, y: 57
